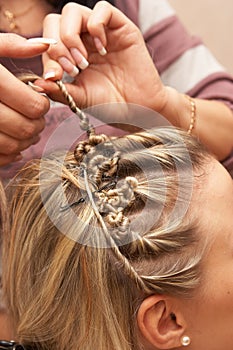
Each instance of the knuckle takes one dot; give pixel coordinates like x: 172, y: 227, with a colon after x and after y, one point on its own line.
x: 27, y: 131
x: 103, y: 4
x: 12, y: 147
x: 70, y: 6
x: 50, y: 18
x: 55, y: 51
x: 38, y: 107
x: 68, y: 37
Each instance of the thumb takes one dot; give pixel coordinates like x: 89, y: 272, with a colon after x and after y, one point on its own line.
x: 13, y: 45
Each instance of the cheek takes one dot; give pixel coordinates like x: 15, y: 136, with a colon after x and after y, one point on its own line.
x: 212, y: 316
x: 217, y: 293
x: 210, y: 320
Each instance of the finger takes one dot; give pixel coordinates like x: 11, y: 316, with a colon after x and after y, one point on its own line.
x: 58, y: 52
x: 51, y: 89
x: 25, y: 101
x: 4, y: 160
x: 13, y: 45
x: 52, y: 69
x: 105, y: 15
x: 16, y: 125
x: 73, y: 23
x: 10, y: 146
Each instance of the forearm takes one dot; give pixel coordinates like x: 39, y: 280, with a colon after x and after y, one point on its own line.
x: 213, y: 123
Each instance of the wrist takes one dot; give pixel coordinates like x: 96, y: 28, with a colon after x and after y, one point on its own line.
x: 176, y: 109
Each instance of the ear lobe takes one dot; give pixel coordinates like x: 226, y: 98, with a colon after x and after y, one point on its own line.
x: 158, y: 323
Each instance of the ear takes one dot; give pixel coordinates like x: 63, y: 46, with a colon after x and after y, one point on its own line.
x: 160, y: 322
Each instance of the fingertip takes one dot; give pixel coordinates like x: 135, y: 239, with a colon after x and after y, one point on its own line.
x: 35, y: 139
x: 49, y: 75
x: 52, y: 70
x: 17, y: 158
x: 52, y: 73
x: 100, y: 47
x: 35, y: 87
x: 68, y: 66
x: 49, y: 86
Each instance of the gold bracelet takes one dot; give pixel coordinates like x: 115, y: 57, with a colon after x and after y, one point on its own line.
x: 193, y: 114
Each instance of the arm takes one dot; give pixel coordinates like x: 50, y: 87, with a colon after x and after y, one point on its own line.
x: 186, y: 64
x: 127, y: 73
x: 213, y: 125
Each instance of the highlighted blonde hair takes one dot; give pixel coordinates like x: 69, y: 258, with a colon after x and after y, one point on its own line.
x: 65, y: 290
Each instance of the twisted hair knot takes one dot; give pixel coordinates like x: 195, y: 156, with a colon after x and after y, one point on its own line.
x: 113, y: 202
x: 117, y: 218
x: 85, y: 147
x: 119, y: 198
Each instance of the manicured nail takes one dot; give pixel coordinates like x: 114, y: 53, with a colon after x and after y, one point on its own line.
x: 68, y: 66
x: 79, y: 58
x: 47, y: 41
x: 49, y: 75
x: 35, y: 87
x: 101, y: 49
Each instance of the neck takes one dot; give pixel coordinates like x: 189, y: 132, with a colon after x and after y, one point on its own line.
x: 24, y: 18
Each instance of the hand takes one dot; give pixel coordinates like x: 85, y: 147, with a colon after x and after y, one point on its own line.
x: 125, y: 74
x: 21, y: 108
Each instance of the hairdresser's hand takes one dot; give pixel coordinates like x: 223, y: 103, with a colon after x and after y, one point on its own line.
x: 125, y: 74
x: 21, y: 108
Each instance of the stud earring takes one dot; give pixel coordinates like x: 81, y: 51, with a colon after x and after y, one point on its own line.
x: 185, y: 341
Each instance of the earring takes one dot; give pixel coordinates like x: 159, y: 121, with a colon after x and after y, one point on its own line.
x: 185, y: 341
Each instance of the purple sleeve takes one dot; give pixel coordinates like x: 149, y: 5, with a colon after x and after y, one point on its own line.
x: 181, y: 59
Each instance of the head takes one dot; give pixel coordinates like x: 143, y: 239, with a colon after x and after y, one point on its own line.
x: 114, y: 247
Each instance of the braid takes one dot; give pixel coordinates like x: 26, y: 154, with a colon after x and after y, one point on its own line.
x: 88, y: 147
x: 130, y: 271
x: 114, y: 197
x: 115, y: 218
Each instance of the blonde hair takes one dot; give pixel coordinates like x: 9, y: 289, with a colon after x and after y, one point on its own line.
x: 66, y: 286
x: 3, y: 212
x: 3, y: 222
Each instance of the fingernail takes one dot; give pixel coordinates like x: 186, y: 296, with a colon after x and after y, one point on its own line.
x: 47, y: 41
x: 68, y: 66
x: 35, y: 87
x: 49, y: 75
x: 101, y: 49
x: 79, y: 58
x: 18, y: 157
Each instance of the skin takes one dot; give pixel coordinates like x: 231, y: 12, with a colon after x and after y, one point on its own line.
x: 209, y: 314
x: 22, y: 109
x: 206, y: 317
x: 127, y: 72
x: 6, y: 329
